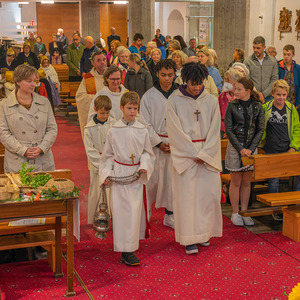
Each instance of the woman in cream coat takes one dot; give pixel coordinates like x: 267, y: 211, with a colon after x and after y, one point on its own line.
x: 27, y: 125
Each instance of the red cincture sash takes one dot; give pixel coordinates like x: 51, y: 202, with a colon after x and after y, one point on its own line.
x: 196, y: 141
x: 130, y: 165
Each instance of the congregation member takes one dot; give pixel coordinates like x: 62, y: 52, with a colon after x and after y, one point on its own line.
x: 208, y: 82
x: 102, y: 41
x: 271, y: 50
x: 23, y: 139
x: 241, y: 68
x: 137, y: 46
x: 56, y: 51
x: 182, y: 43
x: 289, y: 70
x: 282, y: 127
x: 168, y: 39
x: 193, y: 127
x: 173, y: 46
x: 39, y: 48
x: 192, y: 47
x: 7, y: 62
x: 122, y: 62
x: 206, y: 58
x: 263, y: 69
x: 138, y: 77
x: 113, y: 36
x: 155, y: 58
x: 9, y: 85
x: 62, y: 39
x: 162, y: 48
x: 151, y: 45
x: 215, y: 59
x: 179, y: 57
x: 40, y: 87
x: 128, y: 150
x: 159, y: 36
x: 91, y: 83
x: 230, y: 78
x: 244, y: 127
x: 112, y: 54
x: 31, y: 40
x: 153, y: 114
x: 52, y: 77
x: 26, y: 57
x: 85, y: 61
x: 94, y: 140
x: 114, y: 89
x: 238, y: 56
x: 42, y: 79
x: 17, y: 48
x: 74, y: 54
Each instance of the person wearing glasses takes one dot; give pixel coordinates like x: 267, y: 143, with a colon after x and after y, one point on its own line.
x: 74, y: 54
x: 114, y: 89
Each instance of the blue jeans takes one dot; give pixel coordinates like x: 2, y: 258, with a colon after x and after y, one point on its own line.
x: 273, y: 185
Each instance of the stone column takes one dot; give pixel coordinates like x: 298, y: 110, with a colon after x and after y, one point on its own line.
x: 231, y: 28
x: 141, y: 19
x: 90, y: 18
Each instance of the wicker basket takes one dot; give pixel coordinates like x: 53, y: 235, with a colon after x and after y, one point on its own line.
x: 63, y: 185
x: 4, y: 180
x: 4, y: 194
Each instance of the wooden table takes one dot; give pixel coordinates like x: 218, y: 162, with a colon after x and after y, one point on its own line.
x: 43, y: 209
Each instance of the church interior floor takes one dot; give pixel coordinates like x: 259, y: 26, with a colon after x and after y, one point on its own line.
x: 238, y: 265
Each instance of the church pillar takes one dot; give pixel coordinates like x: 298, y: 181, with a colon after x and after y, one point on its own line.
x: 90, y: 18
x: 231, y: 28
x: 141, y: 19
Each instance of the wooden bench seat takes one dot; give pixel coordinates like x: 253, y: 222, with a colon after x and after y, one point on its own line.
x: 275, y: 199
x: 264, y: 211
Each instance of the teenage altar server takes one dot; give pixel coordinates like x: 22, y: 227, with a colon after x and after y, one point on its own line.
x: 153, y: 114
x: 128, y: 150
x: 193, y: 126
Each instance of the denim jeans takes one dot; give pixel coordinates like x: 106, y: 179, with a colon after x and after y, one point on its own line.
x: 273, y: 185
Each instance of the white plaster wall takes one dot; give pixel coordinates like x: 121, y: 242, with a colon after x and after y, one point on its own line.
x: 10, y: 13
x: 162, y: 12
x: 28, y: 12
x: 287, y: 37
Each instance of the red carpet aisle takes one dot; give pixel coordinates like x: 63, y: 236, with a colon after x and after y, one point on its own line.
x: 240, y: 265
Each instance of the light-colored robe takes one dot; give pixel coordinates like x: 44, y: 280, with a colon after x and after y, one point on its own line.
x: 52, y: 75
x: 84, y: 99
x: 115, y: 98
x: 153, y: 114
x: 21, y: 129
x: 94, y: 140
x: 129, y: 218
x: 196, y: 187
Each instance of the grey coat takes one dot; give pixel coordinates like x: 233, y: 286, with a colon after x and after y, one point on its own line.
x: 263, y: 75
x: 21, y: 128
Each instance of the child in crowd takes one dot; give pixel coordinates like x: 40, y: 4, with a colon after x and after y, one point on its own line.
x: 94, y: 139
x: 244, y: 126
x: 282, y: 127
x: 128, y: 150
x: 290, y: 72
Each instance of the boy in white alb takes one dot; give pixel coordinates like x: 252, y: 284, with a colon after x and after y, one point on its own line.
x: 128, y: 150
x: 153, y: 114
x: 94, y: 139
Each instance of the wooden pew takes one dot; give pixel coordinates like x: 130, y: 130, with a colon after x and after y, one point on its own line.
x: 62, y: 71
x: 11, y: 237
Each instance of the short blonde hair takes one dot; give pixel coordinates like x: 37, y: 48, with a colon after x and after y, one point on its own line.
x: 233, y: 74
x: 181, y: 54
x: 153, y: 50
x: 121, y: 49
x: 130, y: 97
x: 175, y: 44
x: 281, y: 84
x: 207, y: 52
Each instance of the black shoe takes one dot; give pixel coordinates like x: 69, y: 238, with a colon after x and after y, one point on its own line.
x: 129, y: 259
x: 191, y: 249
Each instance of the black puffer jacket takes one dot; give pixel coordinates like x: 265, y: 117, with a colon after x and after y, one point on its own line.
x: 236, y: 125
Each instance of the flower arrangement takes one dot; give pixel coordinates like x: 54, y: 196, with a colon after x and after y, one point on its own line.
x: 294, y: 294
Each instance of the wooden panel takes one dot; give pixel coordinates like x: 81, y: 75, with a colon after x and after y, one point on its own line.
x: 113, y: 15
x: 62, y: 72
x: 262, y: 211
x: 291, y: 223
x: 275, y: 199
x: 276, y: 165
x: 54, y: 16
x: 224, y: 143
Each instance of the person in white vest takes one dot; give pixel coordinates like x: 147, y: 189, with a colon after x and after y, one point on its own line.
x: 153, y: 114
x: 193, y: 126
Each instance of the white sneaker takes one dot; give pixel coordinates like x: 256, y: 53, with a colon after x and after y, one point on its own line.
x: 169, y: 221
x: 205, y: 244
x: 237, y: 219
x: 248, y: 221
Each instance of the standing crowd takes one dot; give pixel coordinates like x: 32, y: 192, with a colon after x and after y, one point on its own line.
x: 156, y: 113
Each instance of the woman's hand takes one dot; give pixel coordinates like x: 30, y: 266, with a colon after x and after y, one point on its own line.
x: 245, y: 152
x: 33, y: 152
x: 165, y: 148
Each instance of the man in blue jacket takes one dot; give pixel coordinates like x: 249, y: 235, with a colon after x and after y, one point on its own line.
x: 290, y: 72
x: 137, y: 46
x: 85, y: 61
